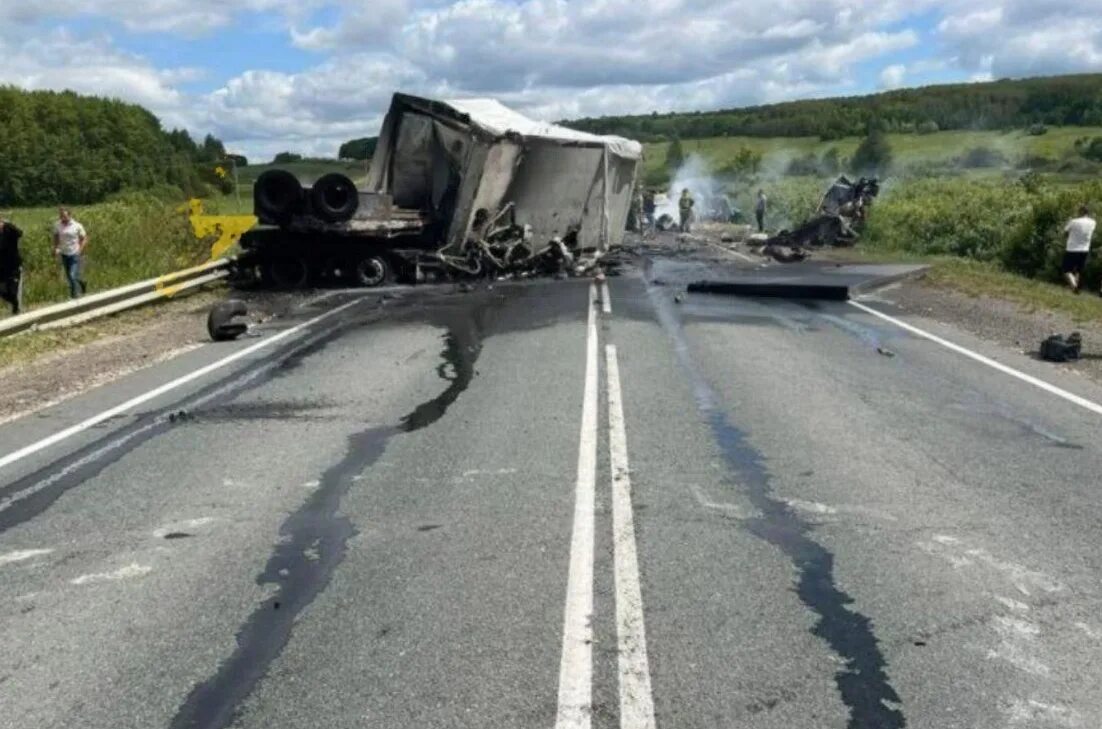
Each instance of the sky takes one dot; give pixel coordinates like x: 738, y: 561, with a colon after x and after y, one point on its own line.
x: 305, y: 75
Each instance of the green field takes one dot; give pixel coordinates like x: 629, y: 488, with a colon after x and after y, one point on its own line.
x: 133, y: 237
x: 908, y: 149
x: 307, y: 171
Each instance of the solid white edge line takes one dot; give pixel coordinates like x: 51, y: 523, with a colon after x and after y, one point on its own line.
x: 576, y: 668
x: 1030, y: 379
x: 636, y: 698
x: 95, y: 420
x: 606, y: 298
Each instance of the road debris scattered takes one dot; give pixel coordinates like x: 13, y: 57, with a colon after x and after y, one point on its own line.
x: 223, y: 324
x: 1057, y: 348
x: 842, y: 210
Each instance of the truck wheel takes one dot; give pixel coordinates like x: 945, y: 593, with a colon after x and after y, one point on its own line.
x: 277, y: 195
x: 288, y: 273
x: 370, y: 271
x: 222, y: 323
x: 334, y: 198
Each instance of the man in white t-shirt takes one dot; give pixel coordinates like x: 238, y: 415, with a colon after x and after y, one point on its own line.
x: 70, y: 240
x: 1080, y: 231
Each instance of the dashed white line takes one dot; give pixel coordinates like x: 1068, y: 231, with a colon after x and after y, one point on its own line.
x: 1029, y: 379
x: 132, y: 403
x: 606, y: 299
x: 636, y: 699
x: 576, y: 667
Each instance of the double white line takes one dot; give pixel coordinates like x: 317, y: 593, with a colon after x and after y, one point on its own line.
x: 576, y: 668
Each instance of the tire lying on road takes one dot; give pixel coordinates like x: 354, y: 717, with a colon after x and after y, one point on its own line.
x: 221, y: 323
x: 370, y: 271
x: 334, y: 198
x: 277, y: 196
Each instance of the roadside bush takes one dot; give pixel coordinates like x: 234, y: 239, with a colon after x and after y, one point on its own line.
x: 978, y: 157
x: 134, y: 236
x: 967, y: 218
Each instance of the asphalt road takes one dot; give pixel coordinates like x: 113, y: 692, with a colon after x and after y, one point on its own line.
x: 551, y: 505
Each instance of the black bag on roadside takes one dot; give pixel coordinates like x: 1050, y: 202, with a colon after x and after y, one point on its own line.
x: 1058, y: 349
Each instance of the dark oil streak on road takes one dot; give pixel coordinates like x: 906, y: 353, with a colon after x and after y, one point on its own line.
x: 314, y: 541
x: 863, y: 683
x: 51, y: 482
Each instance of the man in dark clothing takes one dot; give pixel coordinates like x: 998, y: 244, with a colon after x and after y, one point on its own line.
x: 11, y: 264
x: 759, y: 210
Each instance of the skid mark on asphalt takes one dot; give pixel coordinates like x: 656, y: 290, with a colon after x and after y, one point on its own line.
x: 1030, y: 712
x: 955, y: 551
x: 732, y: 510
x: 862, y: 682
x: 314, y: 541
x: 22, y: 555
x: 817, y: 509
x: 128, y: 572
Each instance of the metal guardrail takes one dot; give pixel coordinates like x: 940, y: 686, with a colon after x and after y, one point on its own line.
x: 113, y: 301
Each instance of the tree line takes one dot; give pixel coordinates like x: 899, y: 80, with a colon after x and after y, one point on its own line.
x: 1005, y: 104
x: 63, y: 147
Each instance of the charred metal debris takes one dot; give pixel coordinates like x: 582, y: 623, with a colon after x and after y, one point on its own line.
x: 456, y: 190
x: 841, y: 213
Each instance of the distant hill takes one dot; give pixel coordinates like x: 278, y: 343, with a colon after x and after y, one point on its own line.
x: 62, y: 147
x: 1006, y: 104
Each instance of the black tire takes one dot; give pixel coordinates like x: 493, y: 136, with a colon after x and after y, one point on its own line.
x: 221, y: 322
x: 370, y: 271
x: 277, y: 196
x: 288, y: 272
x: 334, y: 198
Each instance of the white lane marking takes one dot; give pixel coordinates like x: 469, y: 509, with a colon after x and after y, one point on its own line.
x: 22, y: 555
x: 11, y: 500
x: 1030, y: 379
x: 636, y: 699
x: 575, y: 706
x: 132, y: 403
x: 125, y: 573
x: 606, y: 298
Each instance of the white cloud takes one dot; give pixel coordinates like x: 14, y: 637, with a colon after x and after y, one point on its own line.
x: 551, y: 58
x: 891, y: 77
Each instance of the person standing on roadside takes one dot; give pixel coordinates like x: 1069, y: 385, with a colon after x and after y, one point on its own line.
x: 649, y: 208
x: 1080, y: 230
x: 11, y: 264
x: 685, y: 206
x: 70, y: 241
x: 759, y: 210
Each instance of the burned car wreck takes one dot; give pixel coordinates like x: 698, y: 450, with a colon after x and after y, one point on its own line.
x: 841, y: 211
x: 456, y: 189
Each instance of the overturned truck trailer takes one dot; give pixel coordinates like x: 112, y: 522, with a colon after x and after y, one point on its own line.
x: 456, y: 188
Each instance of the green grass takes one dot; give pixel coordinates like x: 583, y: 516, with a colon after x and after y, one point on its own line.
x: 131, y: 238
x: 979, y: 278
x: 307, y: 171
x: 908, y: 149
